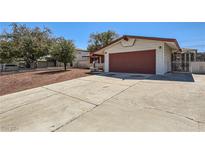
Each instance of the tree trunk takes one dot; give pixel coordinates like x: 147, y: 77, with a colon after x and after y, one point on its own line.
x: 55, y: 63
x: 2, y: 67
x: 28, y: 65
x: 65, y: 66
x: 35, y: 64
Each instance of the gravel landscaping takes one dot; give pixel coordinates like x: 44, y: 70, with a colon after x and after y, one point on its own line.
x: 21, y: 81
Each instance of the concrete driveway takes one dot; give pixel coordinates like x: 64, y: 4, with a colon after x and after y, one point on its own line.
x: 109, y: 102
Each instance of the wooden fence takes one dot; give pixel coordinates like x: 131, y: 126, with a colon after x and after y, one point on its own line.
x: 197, y: 67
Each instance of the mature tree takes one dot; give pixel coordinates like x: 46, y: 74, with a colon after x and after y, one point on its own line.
x: 28, y: 44
x: 52, y: 56
x: 200, y: 56
x: 6, y: 52
x: 98, y: 40
x: 63, y: 50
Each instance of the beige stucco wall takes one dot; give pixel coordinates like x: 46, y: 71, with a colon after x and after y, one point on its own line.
x: 138, y: 45
x: 167, y: 58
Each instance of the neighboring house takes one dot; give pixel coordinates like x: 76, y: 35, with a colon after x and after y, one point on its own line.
x: 81, y: 59
x: 200, y: 56
x: 137, y: 54
x: 44, y: 62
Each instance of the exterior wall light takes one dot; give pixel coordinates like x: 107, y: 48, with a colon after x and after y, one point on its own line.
x: 126, y: 39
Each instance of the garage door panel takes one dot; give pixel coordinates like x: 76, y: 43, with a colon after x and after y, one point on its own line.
x: 133, y: 62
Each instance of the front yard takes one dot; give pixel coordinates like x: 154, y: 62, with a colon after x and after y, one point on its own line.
x: 21, y: 81
x: 111, y: 102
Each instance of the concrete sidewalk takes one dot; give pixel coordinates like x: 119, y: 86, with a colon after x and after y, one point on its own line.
x: 107, y: 103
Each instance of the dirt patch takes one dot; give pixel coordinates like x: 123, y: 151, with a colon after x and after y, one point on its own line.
x: 21, y: 81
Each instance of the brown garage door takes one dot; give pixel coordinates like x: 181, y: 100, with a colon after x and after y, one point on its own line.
x: 133, y: 62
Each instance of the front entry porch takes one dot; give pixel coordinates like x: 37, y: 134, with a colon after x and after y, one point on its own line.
x: 181, y: 60
x: 97, y: 62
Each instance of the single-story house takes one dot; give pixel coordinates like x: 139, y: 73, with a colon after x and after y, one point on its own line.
x: 138, y: 54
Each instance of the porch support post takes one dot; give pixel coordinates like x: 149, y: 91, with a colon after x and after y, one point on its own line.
x: 100, y: 60
x: 180, y: 62
x: 189, y: 57
x: 185, y: 62
x: 189, y: 62
x: 194, y: 56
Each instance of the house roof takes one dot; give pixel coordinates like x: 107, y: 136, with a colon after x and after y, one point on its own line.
x: 142, y: 37
x: 83, y: 50
x: 189, y: 50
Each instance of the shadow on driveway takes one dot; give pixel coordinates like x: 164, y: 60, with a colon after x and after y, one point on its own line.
x: 52, y: 72
x: 181, y: 77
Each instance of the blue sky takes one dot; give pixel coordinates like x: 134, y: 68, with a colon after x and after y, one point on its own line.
x: 190, y: 35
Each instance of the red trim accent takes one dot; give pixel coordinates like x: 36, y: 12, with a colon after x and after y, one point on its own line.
x: 142, y: 37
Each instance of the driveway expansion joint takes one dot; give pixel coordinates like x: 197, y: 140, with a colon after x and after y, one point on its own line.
x: 179, y: 115
x: 69, y: 96
x: 102, y: 82
x: 70, y: 121
x: 27, y: 103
